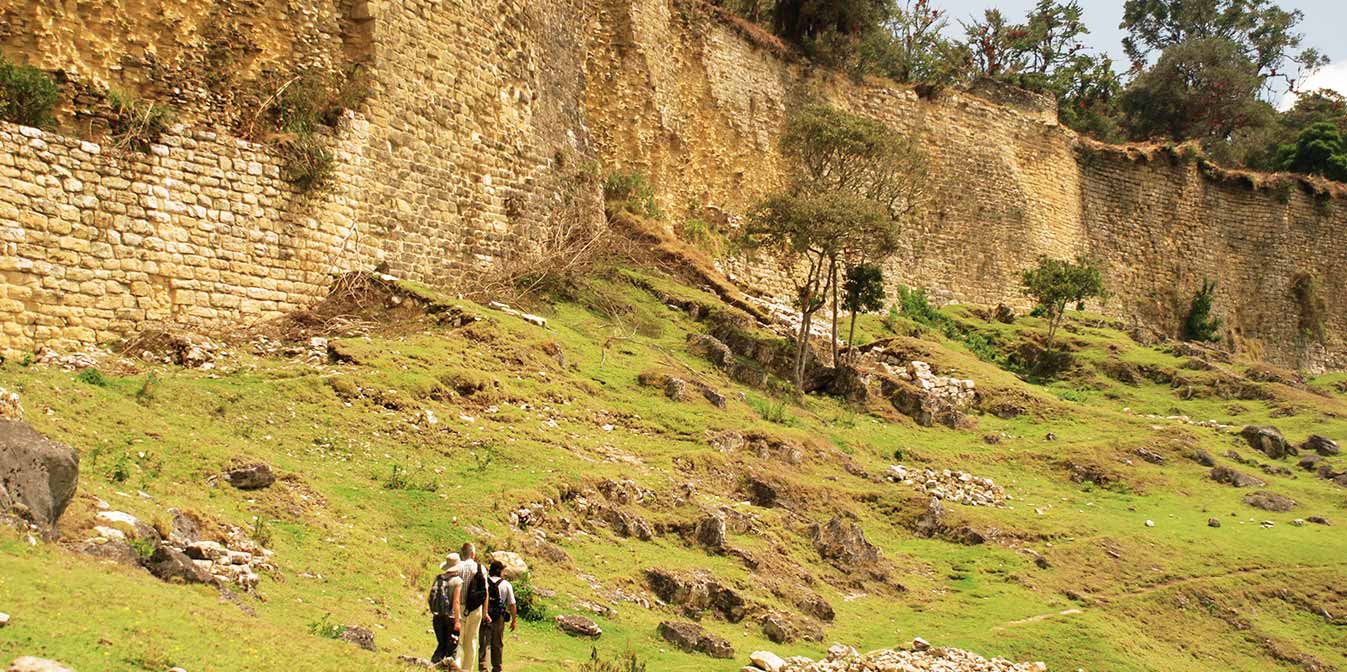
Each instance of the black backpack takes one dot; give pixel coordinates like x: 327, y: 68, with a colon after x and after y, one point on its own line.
x: 495, y: 608
x: 441, y: 596
x: 476, y: 593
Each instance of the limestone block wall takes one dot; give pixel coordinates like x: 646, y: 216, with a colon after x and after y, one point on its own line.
x: 1163, y: 226
x: 676, y: 92
x: 200, y: 231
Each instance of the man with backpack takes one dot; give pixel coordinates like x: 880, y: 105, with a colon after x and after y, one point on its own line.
x: 444, y: 608
x: 500, y: 609
x: 473, y: 600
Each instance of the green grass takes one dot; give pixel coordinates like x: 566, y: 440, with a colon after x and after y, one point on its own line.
x: 372, y: 495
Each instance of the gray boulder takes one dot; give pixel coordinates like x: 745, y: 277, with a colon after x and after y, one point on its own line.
x: 1321, y: 445
x: 1269, y: 501
x: 1268, y: 441
x: 1236, y: 478
x: 693, y: 638
x: 844, y: 541
x: 255, y: 476
x: 174, y: 566
x: 38, y: 476
x: 1309, y: 462
x: 578, y: 626
x: 711, y: 532
x: 361, y: 637
x: 31, y: 664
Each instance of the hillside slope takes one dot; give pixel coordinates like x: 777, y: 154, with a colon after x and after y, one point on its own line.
x: 595, y: 447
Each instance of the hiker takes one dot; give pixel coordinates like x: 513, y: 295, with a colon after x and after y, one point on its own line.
x: 444, y: 608
x: 473, y: 607
x: 500, y: 606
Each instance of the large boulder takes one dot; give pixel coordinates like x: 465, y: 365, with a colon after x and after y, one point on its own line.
x: 844, y: 541
x: 1269, y: 501
x: 1238, y: 479
x: 697, y: 592
x: 711, y: 532
x: 515, y: 567
x: 254, y: 476
x: 693, y: 638
x: 31, y: 664
x: 1321, y: 445
x: 1268, y: 441
x: 38, y: 476
x: 578, y: 626
x: 174, y: 566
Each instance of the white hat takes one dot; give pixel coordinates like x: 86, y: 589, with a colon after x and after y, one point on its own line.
x: 450, y: 563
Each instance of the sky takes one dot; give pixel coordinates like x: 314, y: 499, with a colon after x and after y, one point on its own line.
x: 1325, y: 29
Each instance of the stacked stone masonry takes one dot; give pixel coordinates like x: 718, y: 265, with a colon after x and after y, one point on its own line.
x: 481, y: 121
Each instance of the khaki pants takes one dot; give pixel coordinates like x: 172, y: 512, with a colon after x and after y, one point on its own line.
x: 467, y: 640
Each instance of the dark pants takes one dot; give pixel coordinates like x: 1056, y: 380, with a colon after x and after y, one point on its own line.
x: 445, y: 638
x: 493, y: 635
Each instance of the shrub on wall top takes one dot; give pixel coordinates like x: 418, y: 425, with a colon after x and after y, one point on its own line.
x: 28, y: 96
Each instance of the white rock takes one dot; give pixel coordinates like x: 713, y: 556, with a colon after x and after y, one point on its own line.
x: 920, y: 644
x: 4, y: 619
x: 766, y: 660
x: 1150, y: 523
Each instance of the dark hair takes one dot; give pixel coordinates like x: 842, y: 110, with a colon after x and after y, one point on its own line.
x: 497, y: 567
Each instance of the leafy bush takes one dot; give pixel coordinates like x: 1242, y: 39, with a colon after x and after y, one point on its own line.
x: 28, y: 96
x: 144, y: 548
x: 626, y: 662
x: 92, y: 376
x: 630, y: 191
x: 1200, y: 325
x: 528, y: 601
x: 917, y: 307
x: 137, y: 124
x: 324, y: 627
x: 121, y: 469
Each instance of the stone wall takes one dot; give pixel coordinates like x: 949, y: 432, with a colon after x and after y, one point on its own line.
x: 483, y: 121
x: 199, y: 231
x: 691, y: 100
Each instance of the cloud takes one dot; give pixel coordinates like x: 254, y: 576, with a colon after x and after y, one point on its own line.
x: 1330, y: 77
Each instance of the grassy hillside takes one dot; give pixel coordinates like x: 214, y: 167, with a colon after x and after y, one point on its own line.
x: 372, y: 493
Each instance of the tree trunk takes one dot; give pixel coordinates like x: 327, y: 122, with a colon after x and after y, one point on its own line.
x: 832, y: 279
x: 851, y: 340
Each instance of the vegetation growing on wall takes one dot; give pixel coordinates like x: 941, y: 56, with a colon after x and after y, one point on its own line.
x: 136, y: 124
x: 1200, y: 324
x: 1312, y: 309
x: 28, y: 96
x: 298, y: 117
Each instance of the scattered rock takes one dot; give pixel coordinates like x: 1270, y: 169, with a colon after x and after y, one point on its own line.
x: 4, y: 619
x: 919, y: 644
x: 578, y: 626
x: 844, y: 541
x: 1268, y: 441
x: 174, y: 566
x: 1004, y: 314
x: 31, y: 664
x: 959, y: 487
x: 10, y: 408
x: 1323, y: 446
x: 361, y: 637
x: 36, y: 473
x: 711, y: 349
x: 1318, y: 520
x: 1269, y: 501
x: 527, y: 317
x: 675, y: 389
x: 254, y: 476
x: 1310, y: 462
x: 1212, y: 522
x: 711, y: 532
x: 693, y: 638
x: 1203, y: 458
x: 696, y: 592
x: 1150, y: 456
x: 515, y: 567
x: 115, y: 550
x: 1238, y: 479
x: 767, y: 661
x: 934, y: 659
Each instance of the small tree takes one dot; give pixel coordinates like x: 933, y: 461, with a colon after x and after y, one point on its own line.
x: 859, y: 182
x: 1201, y: 325
x: 863, y: 292
x: 1056, y: 284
